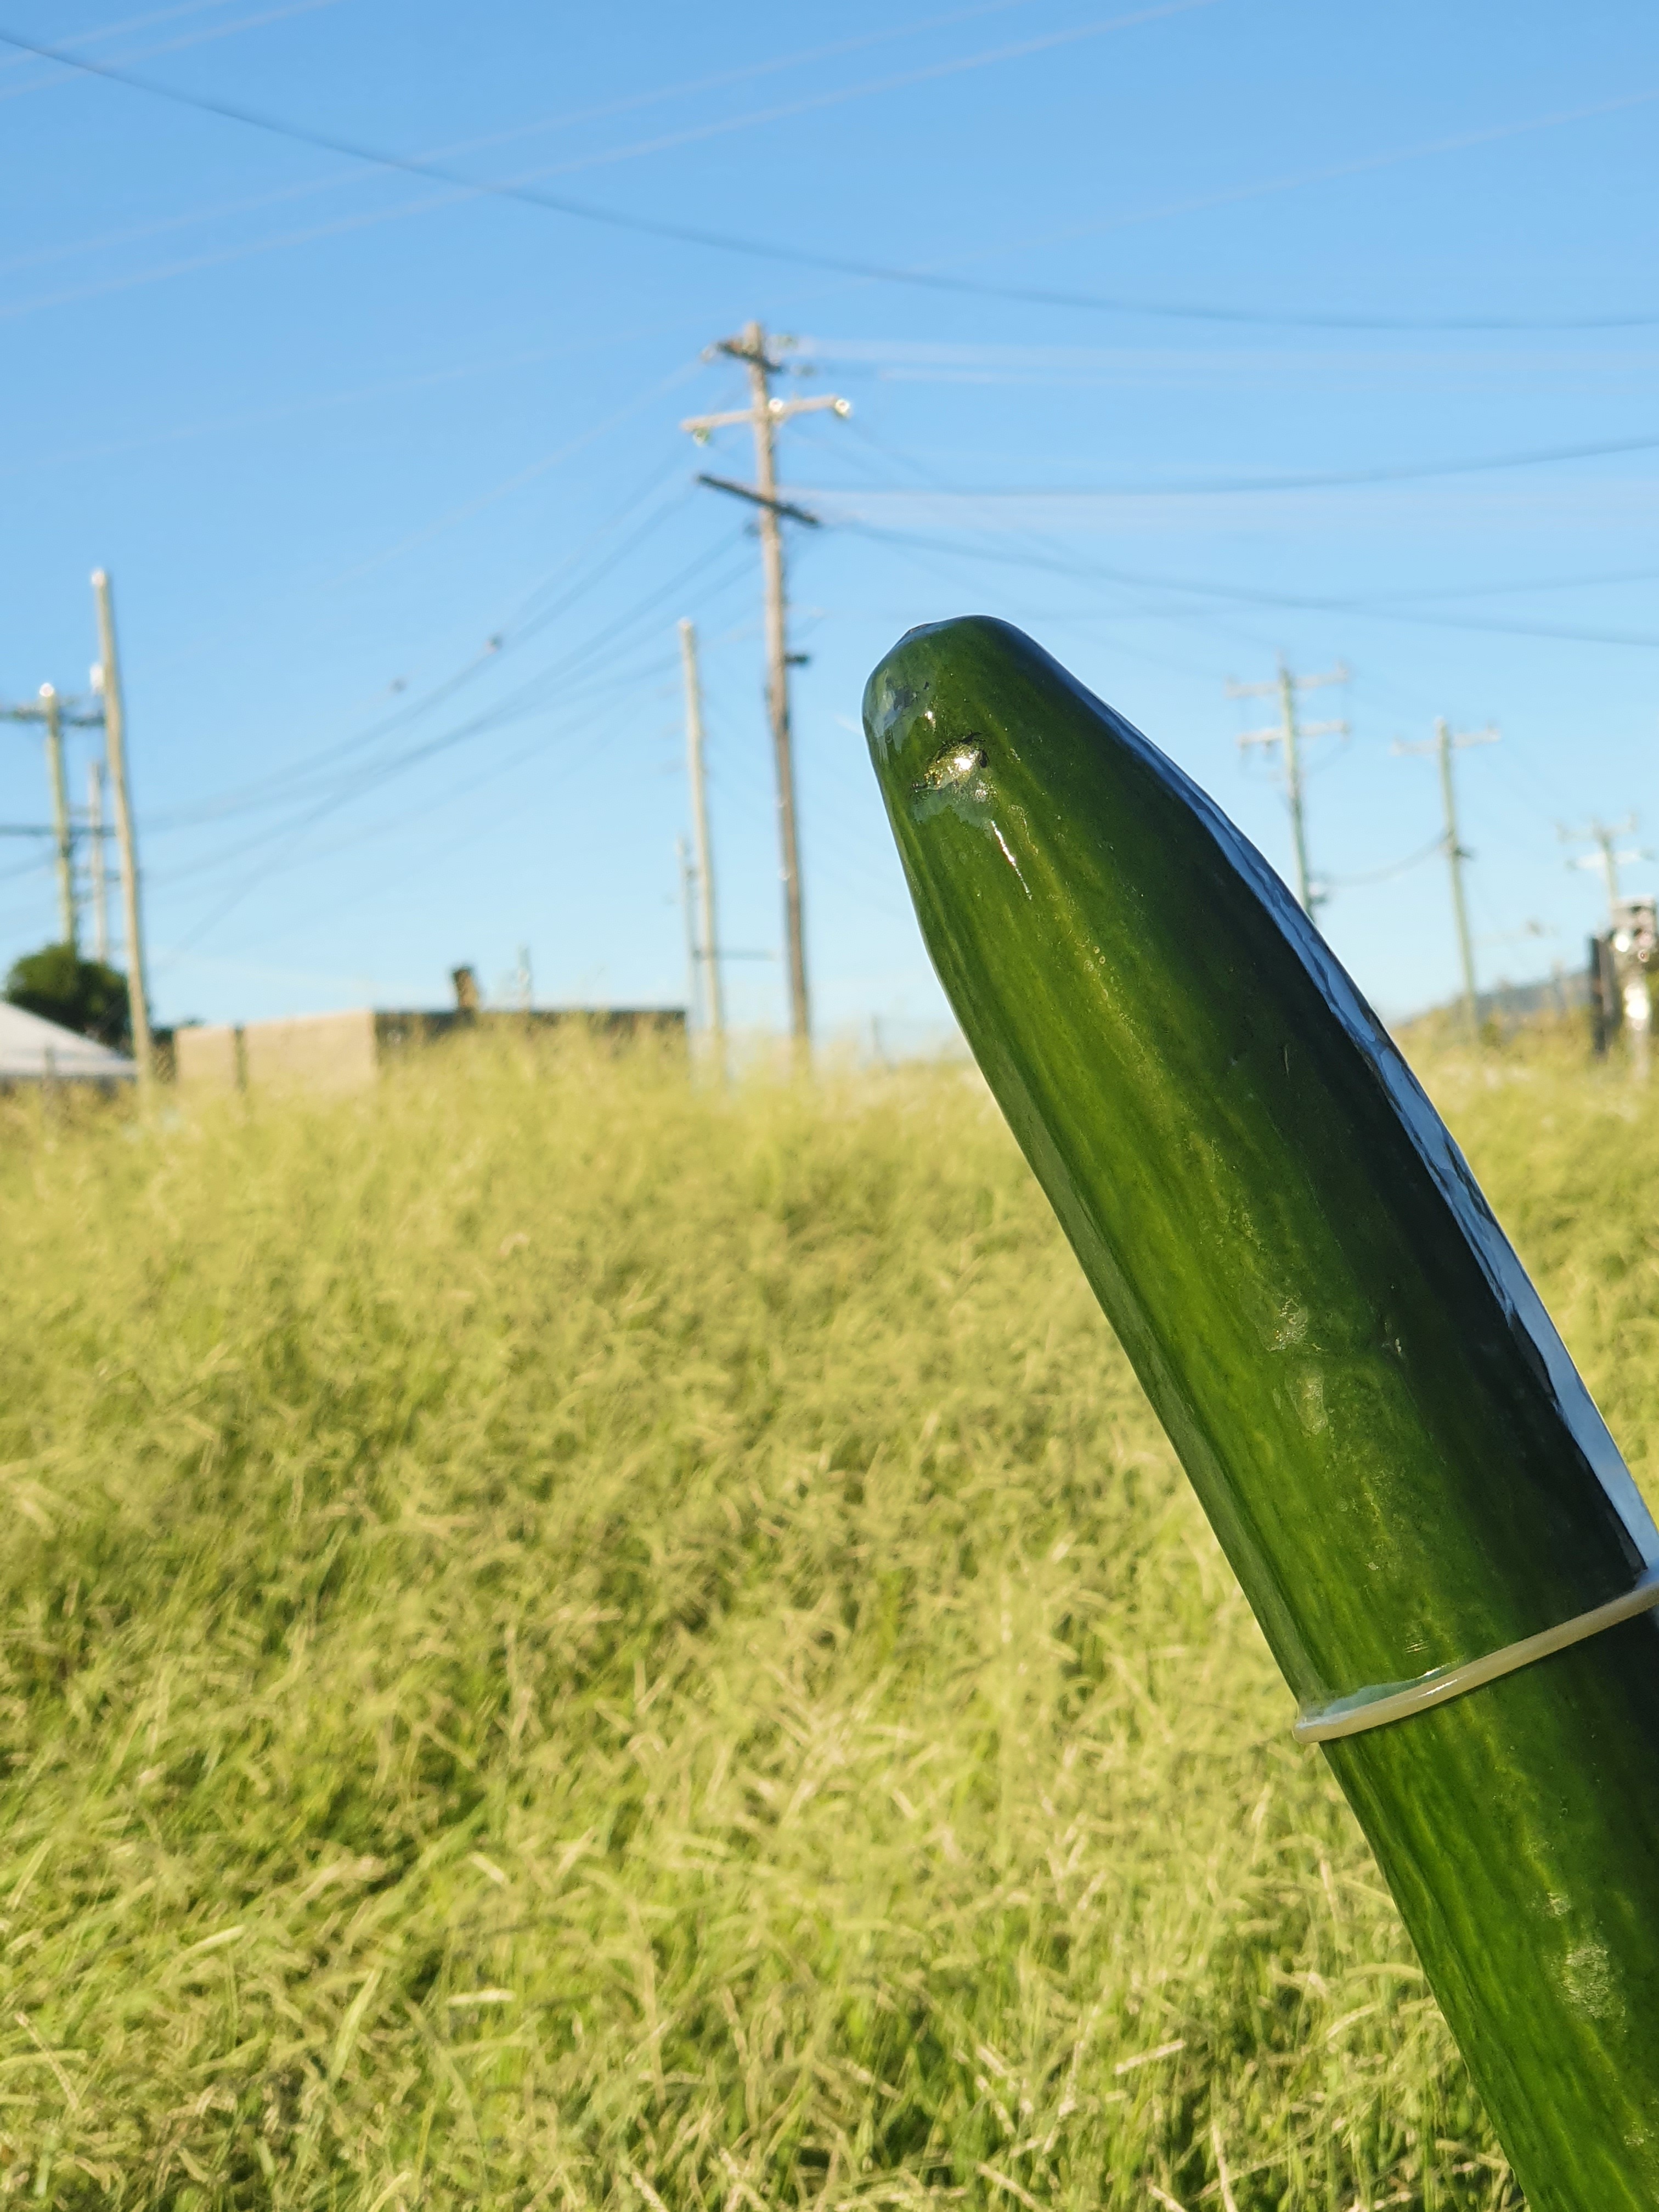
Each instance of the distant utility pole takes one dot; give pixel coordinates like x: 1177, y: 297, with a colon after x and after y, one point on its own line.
x: 67, y: 920
x: 693, y: 996
x: 1606, y: 861
x: 763, y: 414
x: 1289, y: 735
x: 95, y: 838
x: 115, y: 744
x: 713, y: 1001
x: 56, y: 714
x: 1442, y: 745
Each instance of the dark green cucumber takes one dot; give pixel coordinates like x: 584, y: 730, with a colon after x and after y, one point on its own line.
x: 1388, y: 1437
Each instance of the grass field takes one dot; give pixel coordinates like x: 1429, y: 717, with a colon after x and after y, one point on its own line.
x: 570, y: 1639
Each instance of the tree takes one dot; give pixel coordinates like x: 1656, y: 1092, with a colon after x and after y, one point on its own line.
x: 80, y: 994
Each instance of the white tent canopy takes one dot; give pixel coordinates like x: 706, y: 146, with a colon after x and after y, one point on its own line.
x: 32, y: 1050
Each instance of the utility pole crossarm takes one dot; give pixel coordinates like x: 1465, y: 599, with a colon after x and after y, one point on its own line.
x: 1458, y: 739
x: 780, y: 410
x: 699, y: 426
x: 759, y: 499
x: 1624, y: 860
x: 1341, y: 674
x: 71, y: 715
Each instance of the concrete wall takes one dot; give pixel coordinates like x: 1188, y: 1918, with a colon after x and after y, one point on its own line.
x: 209, y: 1058
x: 342, y: 1052
x: 313, y: 1052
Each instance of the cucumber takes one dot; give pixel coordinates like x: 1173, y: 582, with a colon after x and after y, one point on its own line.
x: 1390, y: 1439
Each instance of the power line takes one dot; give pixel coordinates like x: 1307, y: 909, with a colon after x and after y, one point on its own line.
x: 1048, y: 556
x: 1244, y: 595
x: 931, y: 72
x: 478, y: 779
x: 215, y: 31
x: 801, y: 59
x: 375, y: 773
x: 289, y: 782
x: 128, y: 23
x: 354, y: 840
x: 1394, y: 868
x: 519, y: 476
x: 1215, y: 487
x: 935, y: 280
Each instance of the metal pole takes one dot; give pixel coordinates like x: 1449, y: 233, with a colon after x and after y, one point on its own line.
x: 777, y: 676
x: 1456, y: 857
x: 67, y: 922
x: 95, y: 835
x: 714, y: 998
x: 1293, y: 783
x: 115, y: 737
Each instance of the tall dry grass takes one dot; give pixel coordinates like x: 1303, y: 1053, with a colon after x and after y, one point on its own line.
x: 570, y: 1639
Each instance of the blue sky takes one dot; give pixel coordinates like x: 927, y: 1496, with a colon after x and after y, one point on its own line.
x: 1338, y: 282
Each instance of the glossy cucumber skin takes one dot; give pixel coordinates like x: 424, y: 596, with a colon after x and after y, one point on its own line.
x: 1377, y: 1415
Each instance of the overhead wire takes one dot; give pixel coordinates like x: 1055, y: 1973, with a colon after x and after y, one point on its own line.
x: 518, y: 627
x: 836, y: 96
x: 376, y: 773
x: 1070, y: 566
x: 1049, y: 549
x: 215, y: 31
x: 1436, y: 844
x: 805, y: 57
x: 287, y: 410
x: 1220, y: 487
x: 118, y: 30
x: 517, y: 481
x: 933, y: 279
x: 631, y: 681
x: 1246, y: 595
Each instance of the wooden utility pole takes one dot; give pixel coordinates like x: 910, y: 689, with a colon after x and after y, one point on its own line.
x: 763, y: 414
x: 1289, y: 735
x: 58, y: 715
x: 115, y: 744
x: 714, y: 1004
x: 68, y: 932
x: 1606, y: 858
x: 693, y: 994
x: 1442, y: 745
x: 95, y: 870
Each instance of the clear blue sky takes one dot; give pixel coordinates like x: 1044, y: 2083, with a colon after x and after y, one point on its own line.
x: 333, y: 427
